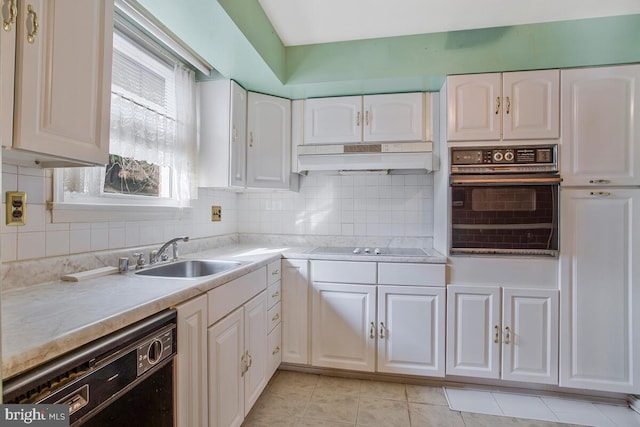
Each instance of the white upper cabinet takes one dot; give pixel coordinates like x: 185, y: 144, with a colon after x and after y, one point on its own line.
x: 63, y: 80
x: 269, y: 141
x: 223, y: 134
x: 473, y: 107
x: 7, y: 63
x: 370, y: 118
x: 600, y: 290
x: 531, y: 105
x: 600, y: 126
x: 503, y: 106
x: 333, y: 120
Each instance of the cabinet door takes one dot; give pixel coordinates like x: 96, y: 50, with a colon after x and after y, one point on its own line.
x: 295, y: 311
x: 7, y: 63
x: 335, y: 120
x: 269, y: 133
x: 600, y: 126
x: 238, y: 137
x: 63, y: 89
x: 530, y: 335
x: 411, y: 330
x: 343, y: 330
x: 531, y: 107
x: 394, y: 117
x: 255, y: 339
x: 473, y: 331
x: 600, y: 290
x: 226, y: 371
x: 474, y: 105
x: 191, y: 363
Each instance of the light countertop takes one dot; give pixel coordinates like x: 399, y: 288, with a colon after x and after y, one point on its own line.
x: 42, y: 322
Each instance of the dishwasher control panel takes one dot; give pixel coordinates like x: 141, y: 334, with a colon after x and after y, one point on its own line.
x: 156, y: 349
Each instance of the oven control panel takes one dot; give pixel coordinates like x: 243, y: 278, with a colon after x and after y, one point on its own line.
x: 541, y: 157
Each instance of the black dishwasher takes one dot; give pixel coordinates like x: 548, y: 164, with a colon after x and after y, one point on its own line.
x: 122, y: 379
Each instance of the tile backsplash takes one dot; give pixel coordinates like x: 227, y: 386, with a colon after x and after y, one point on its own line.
x: 326, y: 205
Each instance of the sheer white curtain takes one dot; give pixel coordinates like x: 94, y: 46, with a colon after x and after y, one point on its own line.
x: 160, y: 136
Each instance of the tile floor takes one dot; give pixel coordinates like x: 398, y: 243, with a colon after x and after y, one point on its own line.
x: 295, y: 399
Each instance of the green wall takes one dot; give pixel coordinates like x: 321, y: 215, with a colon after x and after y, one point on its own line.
x: 236, y: 37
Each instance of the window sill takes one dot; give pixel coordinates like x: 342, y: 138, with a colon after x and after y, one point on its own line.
x: 76, y: 212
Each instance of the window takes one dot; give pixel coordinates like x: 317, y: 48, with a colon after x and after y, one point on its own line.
x: 152, y: 134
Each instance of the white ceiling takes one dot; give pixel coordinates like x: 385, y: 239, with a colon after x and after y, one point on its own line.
x: 300, y: 22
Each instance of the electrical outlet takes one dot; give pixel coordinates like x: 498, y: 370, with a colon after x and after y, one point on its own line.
x: 16, y: 208
x: 216, y: 213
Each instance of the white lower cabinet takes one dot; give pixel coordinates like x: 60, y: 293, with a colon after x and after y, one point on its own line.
x: 361, y: 326
x: 343, y: 330
x: 411, y: 330
x: 600, y: 289
x: 295, y: 311
x: 191, y: 363
x: 237, y: 362
x: 520, y: 345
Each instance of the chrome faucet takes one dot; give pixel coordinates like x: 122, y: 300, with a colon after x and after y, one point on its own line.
x: 162, y: 252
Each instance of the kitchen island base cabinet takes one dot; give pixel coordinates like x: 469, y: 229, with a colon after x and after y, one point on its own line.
x: 411, y: 330
x: 237, y: 363
x: 520, y: 345
x: 600, y: 290
x: 191, y: 363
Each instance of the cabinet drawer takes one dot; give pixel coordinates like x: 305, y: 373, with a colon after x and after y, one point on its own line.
x: 226, y: 298
x: 274, y: 355
x: 411, y: 274
x: 274, y: 293
x: 273, y: 272
x: 343, y: 272
x: 274, y: 315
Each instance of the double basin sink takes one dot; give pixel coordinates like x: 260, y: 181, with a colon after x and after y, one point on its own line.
x: 190, y: 268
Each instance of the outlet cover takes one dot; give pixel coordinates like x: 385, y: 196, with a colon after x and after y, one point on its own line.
x: 16, y: 208
x: 216, y: 213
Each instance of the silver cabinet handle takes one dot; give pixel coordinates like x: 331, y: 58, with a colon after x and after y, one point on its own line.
x: 600, y: 193
x: 251, y: 139
x: 358, y: 119
x: 507, y: 335
x: 276, y: 294
x: 276, y: 317
x: 496, y: 338
x: 508, y: 104
x: 367, y: 118
x: 599, y: 181
x: 276, y: 350
x: 382, y: 330
x: 498, y: 105
x: 245, y: 366
x: 275, y: 272
x: 372, y: 331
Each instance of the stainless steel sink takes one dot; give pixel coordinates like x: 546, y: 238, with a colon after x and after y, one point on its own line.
x: 190, y: 268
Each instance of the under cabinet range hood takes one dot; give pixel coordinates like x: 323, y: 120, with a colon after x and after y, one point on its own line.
x: 398, y: 157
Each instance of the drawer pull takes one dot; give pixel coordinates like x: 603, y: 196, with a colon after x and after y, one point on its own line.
x: 275, y: 272
x: 276, y: 294
x: 600, y: 193
x: 276, y: 350
x: 275, y: 318
x: 599, y: 181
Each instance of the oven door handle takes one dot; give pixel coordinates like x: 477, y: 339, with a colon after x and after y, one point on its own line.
x: 474, y: 180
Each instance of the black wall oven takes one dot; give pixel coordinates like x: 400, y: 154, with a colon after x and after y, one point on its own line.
x: 504, y: 200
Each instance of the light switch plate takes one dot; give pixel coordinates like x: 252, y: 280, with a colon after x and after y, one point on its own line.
x: 16, y: 208
x: 216, y: 213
